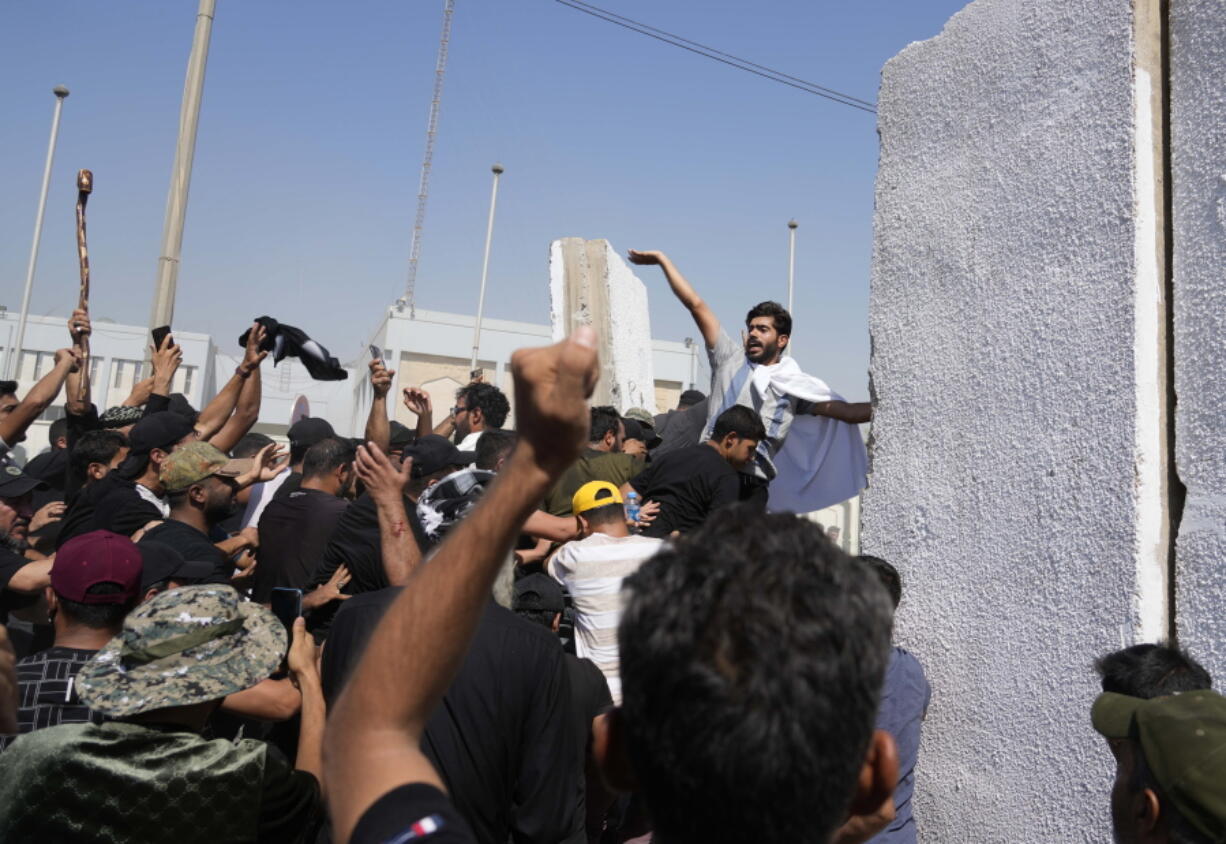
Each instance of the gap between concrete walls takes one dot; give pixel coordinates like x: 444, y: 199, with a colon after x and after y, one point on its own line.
x: 1176, y: 492
x: 1160, y: 493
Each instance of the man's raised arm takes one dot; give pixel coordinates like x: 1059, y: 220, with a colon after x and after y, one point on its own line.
x: 378, y: 429
x: 704, y: 317
x: 13, y: 427
x: 217, y: 412
x: 373, y: 739
x: 385, y: 483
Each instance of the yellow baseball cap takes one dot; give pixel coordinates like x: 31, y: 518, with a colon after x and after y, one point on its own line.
x: 595, y: 494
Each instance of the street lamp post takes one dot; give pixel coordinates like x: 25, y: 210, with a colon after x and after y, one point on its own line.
x: 14, y: 349
x: 485, y: 266
x: 791, y: 272
x: 164, y: 288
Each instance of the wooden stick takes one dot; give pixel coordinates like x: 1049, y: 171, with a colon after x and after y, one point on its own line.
x: 85, y: 186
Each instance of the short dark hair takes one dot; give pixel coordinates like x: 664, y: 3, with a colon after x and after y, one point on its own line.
x: 95, y: 447
x: 8, y: 388
x: 740, y: 420
x: 752, y: 656
x: 779, y: 316
x: 607, y: 514
x: 98, y: 616
x: 493, y: 404
x: 887, y: 574
x: 57, y: 429
x: 250, y: 445
x: 326, y: 455
x: 1149, y: 671
x: 604, y: 420
x: 493, y: 446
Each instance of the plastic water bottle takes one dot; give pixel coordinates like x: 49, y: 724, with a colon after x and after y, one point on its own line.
x: 632, y: 508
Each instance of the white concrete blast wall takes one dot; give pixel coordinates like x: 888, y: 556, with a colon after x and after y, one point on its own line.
x: 1016, y: 466
x: 589, y: 283
x: 1198, y: 161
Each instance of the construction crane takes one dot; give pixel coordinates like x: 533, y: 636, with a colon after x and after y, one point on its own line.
x: 423, y: 189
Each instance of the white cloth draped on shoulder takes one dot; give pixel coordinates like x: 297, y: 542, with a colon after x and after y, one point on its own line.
x: 822, y: 461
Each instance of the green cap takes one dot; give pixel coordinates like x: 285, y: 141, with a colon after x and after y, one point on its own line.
x: 1183, y: 738
x: 184, y: 646
x: 640, y: 414
x: 192, y: 463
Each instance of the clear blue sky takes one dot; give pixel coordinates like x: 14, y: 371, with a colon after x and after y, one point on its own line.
x: 311, y: 136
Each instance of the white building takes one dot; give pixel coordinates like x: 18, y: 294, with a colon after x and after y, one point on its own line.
x: 431, y: 350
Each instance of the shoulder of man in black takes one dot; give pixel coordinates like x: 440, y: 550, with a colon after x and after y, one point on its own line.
x: 193, y: 545
x: 416, y: 811
x: 119, y: 508
x: 355, y: 543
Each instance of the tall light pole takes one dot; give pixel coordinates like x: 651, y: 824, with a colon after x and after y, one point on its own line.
x: 791, y: 271
x: 181, y: 176
x: 485, y: 265
x: 14, y: 349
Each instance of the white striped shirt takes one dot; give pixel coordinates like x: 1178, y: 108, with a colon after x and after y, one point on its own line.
x: 592, y: 570
x: 732, y: 384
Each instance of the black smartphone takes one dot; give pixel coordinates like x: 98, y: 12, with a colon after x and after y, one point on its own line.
x: 159, y: 335
x: 375, y: 352
x: 287, y: 606
x: 476, y: 375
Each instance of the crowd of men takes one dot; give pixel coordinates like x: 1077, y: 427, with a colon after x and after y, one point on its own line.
x: 585, y: 629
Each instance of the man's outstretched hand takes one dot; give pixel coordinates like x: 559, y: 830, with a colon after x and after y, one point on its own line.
x: 645, y: 259
x: 552, y: 386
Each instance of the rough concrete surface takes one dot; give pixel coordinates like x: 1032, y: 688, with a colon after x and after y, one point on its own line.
x: 589, y: 283
x: 1198, y: 159
x: 1010, y: 464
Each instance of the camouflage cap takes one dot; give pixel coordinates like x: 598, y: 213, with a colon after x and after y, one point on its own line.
x: 192, y: 463
x: 640, y: 414
x: 187, y: 645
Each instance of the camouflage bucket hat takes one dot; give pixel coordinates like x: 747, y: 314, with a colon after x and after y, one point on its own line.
x: 187, y: 645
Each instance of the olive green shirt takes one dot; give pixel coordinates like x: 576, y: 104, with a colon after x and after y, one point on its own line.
x: 594, y: 465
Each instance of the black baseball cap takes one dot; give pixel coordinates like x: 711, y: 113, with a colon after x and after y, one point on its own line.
x: 401, y: 435
x: 538, y: 592
x: 162, y: 430
x: 160, y: 561
x: 433, y: 453
x: 15, y: 483
x: 636, y: 430
x: 308, y: 431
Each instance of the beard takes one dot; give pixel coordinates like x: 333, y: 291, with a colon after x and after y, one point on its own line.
x: 761, y: 353
x: 16, y: 544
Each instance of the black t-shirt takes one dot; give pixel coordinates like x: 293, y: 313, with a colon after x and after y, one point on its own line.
x: 413, y: 812
x: 194, y: 546
x: 689, y: 483
x: 502, y: 740
x: 355, y: 543
x: 294, y: 531
x: 680, y: 428
x: 110, y: 504
x: 10, y: 563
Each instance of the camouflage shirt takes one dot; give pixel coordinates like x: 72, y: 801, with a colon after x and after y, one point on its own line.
x: 120, y: 781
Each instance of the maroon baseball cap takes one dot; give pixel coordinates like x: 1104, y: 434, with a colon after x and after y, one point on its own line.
x: 97, y: 557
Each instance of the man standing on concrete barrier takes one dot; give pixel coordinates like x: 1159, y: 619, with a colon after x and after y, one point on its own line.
x: 824, y: 461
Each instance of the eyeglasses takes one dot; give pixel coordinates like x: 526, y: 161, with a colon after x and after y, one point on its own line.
x: 457, y: 410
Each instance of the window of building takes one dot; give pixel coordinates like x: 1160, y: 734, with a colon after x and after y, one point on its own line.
x: 34, y: 365
x: 185, y: 377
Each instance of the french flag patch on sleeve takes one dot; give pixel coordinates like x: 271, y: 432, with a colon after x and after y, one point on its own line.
x: 426, y: 826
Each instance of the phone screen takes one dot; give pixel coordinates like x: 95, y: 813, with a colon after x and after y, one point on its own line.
x: 287, y: 606
x: 159, y: 335
x: 376, y: 353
